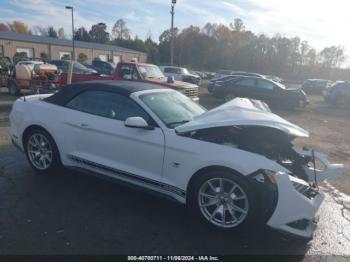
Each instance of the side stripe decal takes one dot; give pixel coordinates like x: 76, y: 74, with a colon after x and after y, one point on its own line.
x: 124, y: 174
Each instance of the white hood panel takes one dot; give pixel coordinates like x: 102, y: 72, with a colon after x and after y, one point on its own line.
x: 242, y: 112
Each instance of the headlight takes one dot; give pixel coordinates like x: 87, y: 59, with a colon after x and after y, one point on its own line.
x: 264, y: 175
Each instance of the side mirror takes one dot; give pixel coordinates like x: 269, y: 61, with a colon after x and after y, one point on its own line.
x: 137, y: 122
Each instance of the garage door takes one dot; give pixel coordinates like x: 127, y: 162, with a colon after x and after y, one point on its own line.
x: 65, y: 55
x: 28, y: 51
x: 103, y: 58
x: 116, y: 59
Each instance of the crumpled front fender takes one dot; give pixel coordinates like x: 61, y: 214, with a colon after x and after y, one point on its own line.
x: 328, y: 171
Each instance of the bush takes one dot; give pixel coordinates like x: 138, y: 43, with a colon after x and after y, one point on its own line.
x: 44, y: 56
x: 19, y: 56
x: 82, y: 58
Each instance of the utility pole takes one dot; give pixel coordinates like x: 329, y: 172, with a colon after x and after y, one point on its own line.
x: 172, y: 12
x: 73, y: 53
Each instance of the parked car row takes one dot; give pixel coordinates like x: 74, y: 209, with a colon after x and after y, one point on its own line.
x: 56, y: 71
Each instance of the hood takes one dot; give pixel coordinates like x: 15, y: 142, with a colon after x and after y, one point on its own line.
x: 296, y: 90
x: 175, y: 84
x: 192, y: 75
x: 242, y: 112
x: 182, y: 85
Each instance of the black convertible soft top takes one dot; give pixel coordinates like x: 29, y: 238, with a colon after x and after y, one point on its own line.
x: 120, y: 87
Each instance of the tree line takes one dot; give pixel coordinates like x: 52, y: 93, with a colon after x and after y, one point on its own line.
x: 217, y: 46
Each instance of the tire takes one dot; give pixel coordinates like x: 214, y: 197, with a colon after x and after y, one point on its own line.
x: 43, y: 158
x: 229, y: 97
x: 13, y: 89
x: 209, y: 205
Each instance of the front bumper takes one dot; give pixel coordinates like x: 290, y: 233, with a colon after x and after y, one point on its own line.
x: 295, y: 212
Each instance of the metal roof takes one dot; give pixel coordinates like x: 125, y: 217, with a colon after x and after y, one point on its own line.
x: 63, y: 42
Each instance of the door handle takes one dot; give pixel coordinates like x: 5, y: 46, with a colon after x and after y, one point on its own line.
x: 84, y: 125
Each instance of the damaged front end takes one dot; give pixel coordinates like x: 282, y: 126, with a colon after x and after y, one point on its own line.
x: 292, y: 204
x: 276, y: 145
x: 250, y: 126
x: 243, y: 125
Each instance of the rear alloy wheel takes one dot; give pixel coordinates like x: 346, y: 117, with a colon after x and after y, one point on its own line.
x: 229, y: 97
x: 223, y: 200
x: 42, y: 152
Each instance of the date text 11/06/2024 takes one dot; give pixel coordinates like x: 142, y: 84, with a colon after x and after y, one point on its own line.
x: 173, y: 258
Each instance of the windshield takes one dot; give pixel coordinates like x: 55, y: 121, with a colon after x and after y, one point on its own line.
x: 78, y: 66
x: 172, y: 108
x: 185, y: 71
x: 150, y: 71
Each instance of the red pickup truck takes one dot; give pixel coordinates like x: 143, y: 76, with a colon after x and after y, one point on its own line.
x: 139, y: 72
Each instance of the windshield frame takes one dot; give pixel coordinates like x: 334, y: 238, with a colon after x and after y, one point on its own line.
x: 140, y: 95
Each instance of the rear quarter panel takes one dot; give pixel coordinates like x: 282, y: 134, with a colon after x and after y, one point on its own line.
x: 43, y: 114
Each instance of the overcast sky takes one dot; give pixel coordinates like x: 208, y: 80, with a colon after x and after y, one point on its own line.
x: 321, y: 22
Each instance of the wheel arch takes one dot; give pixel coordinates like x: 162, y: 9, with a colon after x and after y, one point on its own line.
x: 32, y: 127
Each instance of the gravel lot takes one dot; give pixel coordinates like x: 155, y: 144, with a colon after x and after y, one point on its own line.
x: 77, y: 214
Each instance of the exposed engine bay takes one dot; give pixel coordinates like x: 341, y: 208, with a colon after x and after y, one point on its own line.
x: 269, y: 142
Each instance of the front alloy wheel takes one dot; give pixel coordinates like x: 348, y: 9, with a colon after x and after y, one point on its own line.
x: 223, y: 202
x: 223, y: 199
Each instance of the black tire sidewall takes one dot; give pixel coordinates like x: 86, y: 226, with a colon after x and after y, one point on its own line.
x: 56, y: 162
x: 193, y: 204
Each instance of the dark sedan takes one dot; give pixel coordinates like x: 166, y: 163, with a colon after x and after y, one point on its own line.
x: 316, y: 86
x: 274, y: 94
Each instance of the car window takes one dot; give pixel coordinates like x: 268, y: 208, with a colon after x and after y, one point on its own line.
x: 172, y: 70
x: 247, y: 82
x: 168, y: 70
x: 127, y: 72
x: 264, y: 85
x: 108, y: 104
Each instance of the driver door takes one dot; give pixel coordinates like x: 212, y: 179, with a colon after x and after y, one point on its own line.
x: 106, y: 144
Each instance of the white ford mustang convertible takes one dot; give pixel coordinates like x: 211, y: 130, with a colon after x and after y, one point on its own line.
x: 232, y: 166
